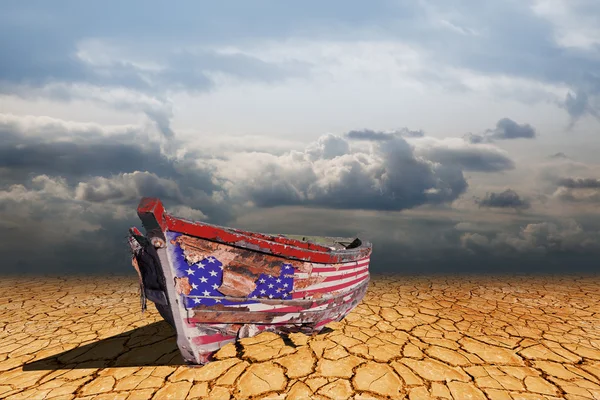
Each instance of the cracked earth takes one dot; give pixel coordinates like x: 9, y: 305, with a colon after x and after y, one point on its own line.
x: 415, y: 338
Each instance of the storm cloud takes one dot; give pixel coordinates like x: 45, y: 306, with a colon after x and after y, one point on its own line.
x: 579, y: 183
x: 506, y: 199
x: 506, y: 129
x: 368, y: 134
x: 387, y: 175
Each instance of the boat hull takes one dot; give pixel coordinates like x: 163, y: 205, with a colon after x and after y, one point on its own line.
x: 213, y: 291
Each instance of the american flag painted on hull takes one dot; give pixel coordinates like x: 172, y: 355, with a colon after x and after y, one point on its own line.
x: 206, y: 276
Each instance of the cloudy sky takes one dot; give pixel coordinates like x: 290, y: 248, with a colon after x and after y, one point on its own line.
x: 458, y: 136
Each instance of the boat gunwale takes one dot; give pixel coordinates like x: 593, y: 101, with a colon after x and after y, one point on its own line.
x: 275, y: 245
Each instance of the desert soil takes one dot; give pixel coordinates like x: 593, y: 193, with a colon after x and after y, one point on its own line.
x: 416, y: 338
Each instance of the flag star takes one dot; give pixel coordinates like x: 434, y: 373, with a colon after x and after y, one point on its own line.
x: 270, y: 286
x: 194, y: 286
x: 262, y: 280
x: 270, y: 276
x: 215, y: 286
x: 211, y: 259
x: 285, y: 294
x: 255, y: 297
x: 203, y: 279
x: 287, y: 267
x: 221, y: 266
x: 213, y: 273
x: 285, y: 285
x: 278, y: 280
x: 206, y: 293
x: 263, y: 291
x: 201, y: 265
x: 270, y: 296
x: 217, y: 300
x: 197, y: 300
x: 190, y: 271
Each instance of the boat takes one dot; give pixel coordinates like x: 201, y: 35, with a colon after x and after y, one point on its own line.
x: 215, y: 285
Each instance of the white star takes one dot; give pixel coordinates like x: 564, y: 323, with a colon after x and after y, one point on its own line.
x: 213, y: 273
x: 221, y: 266
x: 270, y: 296
x: 190, y: 271
x: 211, y: 259
x: 217, y: 300
x: 197, y: 300
x: 215, y: 286
x: 270, y: 286
x: 201, y: 265
x: 285, y: 285
x: 285, y: 294
x: 270, y: 276
x: 263, y: 291
x: 262, y: 280
x: 206, y: 293
x: 287, y: 267
x: 255, y: 297
x: 278, y: 280
x: 194, y: 286
x: 203, y: 279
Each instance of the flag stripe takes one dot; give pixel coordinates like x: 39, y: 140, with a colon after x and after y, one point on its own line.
x: 335, y: 272
x: 333, y: 283
x: 339, y: 267
x: 328, y: 286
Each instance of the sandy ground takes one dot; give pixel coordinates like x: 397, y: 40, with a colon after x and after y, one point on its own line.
x: 415, y: 338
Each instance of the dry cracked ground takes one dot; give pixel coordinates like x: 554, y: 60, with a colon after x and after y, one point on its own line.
x: 416, y: 338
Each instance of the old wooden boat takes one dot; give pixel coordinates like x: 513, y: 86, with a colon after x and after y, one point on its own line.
x: 215, y: 284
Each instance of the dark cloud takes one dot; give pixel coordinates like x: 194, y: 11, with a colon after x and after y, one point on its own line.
x: 542, y: 238
x: 368, y: 134
x: 471, y: 158
x: 577, y: 190
x: 559, y: 155
x: 505, y: 129
x: 106, y: 166
x: 506, y: 199
x: 579, y: 183
x: 387, y: 177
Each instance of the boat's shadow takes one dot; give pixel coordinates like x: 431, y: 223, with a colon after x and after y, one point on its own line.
x: 151, y: 345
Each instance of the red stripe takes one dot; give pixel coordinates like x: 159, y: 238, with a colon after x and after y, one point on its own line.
x: 208, y: 339
x: 364, y: 261
x: 344, y: 276
x: 328, y: 289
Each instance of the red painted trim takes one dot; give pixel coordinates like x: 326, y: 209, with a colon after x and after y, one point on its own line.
x: 278, y: 246
x: 284, y: 240
x: 150, y: 205
x: 135, y: 231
